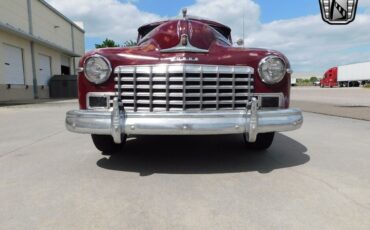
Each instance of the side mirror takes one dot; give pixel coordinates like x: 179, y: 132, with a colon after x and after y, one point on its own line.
x: 240, y: 42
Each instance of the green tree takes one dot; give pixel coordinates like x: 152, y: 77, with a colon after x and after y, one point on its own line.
x: 313, y: 79
x: 129, y: 43
x: 107, y: 43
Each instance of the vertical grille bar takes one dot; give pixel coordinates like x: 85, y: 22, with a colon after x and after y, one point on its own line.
x: 151, y: 89
x: 119, y: 90
x: 218, y: 88
x: 249, y: 88
x: 167, y: 90
x: 135, y: 89
x: 233, y: 89
x: 201, y: 87
x: 183, y: 89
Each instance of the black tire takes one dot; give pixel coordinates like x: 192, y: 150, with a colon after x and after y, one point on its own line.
x: 264, y: 141
x: 106, y: 144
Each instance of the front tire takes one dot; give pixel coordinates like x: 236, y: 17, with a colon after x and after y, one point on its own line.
x: 263, y: 142
x: 106, y: 144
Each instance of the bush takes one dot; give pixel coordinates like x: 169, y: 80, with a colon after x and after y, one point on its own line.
x: 367, y: 85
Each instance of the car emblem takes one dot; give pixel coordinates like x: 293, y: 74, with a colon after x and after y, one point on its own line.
x: 181, y: 59
x: 338, y: 12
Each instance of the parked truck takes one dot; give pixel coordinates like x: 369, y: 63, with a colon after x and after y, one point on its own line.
x: 293, y: 81
x: 352, y: 75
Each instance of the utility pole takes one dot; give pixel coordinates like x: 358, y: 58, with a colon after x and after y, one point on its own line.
x: 243, y: 23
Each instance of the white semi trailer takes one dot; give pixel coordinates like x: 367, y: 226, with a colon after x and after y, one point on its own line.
x: 354, y: 74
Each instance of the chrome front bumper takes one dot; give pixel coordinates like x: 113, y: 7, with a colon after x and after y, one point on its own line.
x: 118, y: 122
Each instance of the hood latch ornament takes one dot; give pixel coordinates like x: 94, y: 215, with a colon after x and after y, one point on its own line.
x: 184, y: 46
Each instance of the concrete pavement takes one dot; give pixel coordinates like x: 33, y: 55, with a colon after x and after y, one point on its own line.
x: 317, y: 177
x: 342, y: 102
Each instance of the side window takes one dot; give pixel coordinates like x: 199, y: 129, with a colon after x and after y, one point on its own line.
x: 221, y: 36
x: 144, y: 32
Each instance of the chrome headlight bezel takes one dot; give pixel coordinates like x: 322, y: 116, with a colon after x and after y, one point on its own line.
x: 107, y: 71
x: 269, y: 80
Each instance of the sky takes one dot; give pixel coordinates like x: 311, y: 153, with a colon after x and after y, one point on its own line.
x: 290, y: 26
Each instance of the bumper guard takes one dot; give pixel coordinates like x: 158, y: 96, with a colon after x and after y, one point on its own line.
x: 118, y: 122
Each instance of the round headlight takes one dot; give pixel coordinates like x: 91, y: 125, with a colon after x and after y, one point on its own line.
x: 97, y: 69
x: 272, y: 69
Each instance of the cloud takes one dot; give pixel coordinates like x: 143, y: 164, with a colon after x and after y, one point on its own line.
x: 119, y: 20
x: 364, y: 3
x: 312, y: 44
x: 230, y: 13
x: 309, y: 43
x: 106, y: 18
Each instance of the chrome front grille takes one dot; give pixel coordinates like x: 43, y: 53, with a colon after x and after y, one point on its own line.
x: 174, y: 87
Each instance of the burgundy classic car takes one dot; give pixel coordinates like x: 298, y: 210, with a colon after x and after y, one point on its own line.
x: 184, y: 77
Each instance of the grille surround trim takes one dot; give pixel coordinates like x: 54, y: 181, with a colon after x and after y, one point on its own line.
x: 180, y: 68
x: 165, y: 81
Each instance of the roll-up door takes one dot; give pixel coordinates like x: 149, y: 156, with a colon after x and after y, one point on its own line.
x: 13, y: 66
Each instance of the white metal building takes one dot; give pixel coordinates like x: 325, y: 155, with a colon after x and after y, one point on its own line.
x: 36, y: 42
x: 306, y: 75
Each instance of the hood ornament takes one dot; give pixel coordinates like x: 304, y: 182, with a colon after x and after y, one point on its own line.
x: 184, y: 12
x: 184, y: 46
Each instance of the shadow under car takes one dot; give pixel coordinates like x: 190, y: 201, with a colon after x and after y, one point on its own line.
x: 203, y: 155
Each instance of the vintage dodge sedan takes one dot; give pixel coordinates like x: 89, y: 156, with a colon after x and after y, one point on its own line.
x: 184, y: 77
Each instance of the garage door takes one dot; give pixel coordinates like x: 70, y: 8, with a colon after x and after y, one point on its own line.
x: 44, y: 69
x: 13, y: 65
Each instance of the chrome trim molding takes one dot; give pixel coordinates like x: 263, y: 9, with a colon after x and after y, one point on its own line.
x: 117, y: 119
x: 253, y: 122
x: 118, y: 122
x: 183, y: 67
